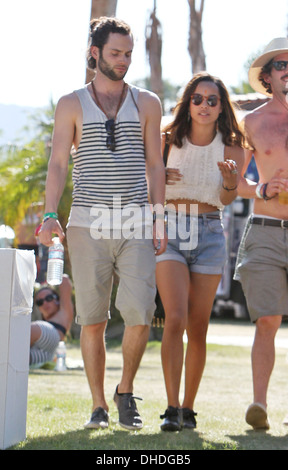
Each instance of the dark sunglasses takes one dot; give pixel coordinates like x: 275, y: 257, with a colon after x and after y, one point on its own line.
x: 110, y: 141
x: 280, y: 65
x: 197, y: 99
x: 48, y: 298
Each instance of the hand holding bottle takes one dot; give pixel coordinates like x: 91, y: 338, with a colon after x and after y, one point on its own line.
x: 49, y: 226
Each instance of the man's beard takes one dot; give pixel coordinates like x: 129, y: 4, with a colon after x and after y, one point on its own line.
x: 105, y: 68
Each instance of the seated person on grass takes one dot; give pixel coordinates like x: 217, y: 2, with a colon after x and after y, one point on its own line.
x: 57, y: 316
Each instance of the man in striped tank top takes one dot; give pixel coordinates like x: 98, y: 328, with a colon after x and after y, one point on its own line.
x: 114, y: 129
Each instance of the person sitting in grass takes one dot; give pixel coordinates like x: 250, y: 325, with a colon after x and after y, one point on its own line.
x: 57, y: 315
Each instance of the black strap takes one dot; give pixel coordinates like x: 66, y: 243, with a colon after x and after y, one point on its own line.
x: 166, y: 150
x: 58, y: 327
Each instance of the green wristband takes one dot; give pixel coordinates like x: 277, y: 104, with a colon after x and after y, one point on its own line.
x: 50, y: 215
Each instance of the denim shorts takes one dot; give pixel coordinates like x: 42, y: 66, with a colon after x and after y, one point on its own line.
x: 199, y: 242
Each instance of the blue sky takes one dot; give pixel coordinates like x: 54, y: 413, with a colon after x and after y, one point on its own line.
x: 43, y: 50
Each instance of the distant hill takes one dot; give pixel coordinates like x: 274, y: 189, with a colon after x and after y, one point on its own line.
x: 13, y: 120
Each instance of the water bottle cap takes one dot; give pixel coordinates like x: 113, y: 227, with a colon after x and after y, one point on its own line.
x: 56, y: 240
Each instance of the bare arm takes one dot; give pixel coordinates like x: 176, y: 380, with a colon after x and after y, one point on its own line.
x: 231, y: 177
x: 64, y: 130
x: 247, y: 188
x: 150, y: 105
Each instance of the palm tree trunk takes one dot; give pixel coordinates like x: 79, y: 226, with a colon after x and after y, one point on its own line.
x: 195, y: 44
x: 100, y: 8
x: 103, y: 8
x: 154, y: 51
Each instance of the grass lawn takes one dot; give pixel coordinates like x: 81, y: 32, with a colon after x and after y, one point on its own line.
x: 59, y: 403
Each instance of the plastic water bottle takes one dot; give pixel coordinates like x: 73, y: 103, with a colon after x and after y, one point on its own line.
x: 61, y: 357
x: 55, y: 264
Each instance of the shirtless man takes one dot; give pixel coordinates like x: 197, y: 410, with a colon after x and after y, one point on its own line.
x: 262, y: 264
x: 115, y: 130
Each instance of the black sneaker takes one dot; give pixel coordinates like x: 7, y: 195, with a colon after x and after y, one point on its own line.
x: 188, y: 418
x: 99, y: 419
x: 129, y: 417
x: 172, y: 419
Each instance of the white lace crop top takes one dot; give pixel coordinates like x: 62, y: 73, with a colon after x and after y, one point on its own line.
x: 202, y: 179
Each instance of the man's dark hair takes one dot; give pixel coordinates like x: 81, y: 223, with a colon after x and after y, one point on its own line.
x: 266, y: 70
x: 100, y: 28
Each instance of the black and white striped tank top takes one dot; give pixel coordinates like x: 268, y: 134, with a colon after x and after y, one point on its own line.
x: 101, y: 175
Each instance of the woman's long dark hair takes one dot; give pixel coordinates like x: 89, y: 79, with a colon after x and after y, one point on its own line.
x: 227, y: 123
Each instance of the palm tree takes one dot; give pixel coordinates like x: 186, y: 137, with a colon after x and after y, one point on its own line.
x: 195, y: 44
x: 154, y: 50
x: 103, y: 8
x: 23, y: 175
x: 100, y: 8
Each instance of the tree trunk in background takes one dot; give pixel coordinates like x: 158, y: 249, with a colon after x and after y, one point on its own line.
x: 103, y: 8
x: 154, y: 50
x: 195, y: 44
x: 100, y: 8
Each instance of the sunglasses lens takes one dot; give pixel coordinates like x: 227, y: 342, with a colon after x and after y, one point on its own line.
x: 110, y: 141
x: 110, y: 126
x: 280, y: 65
x: 197, y: 99
x: 212, y: 101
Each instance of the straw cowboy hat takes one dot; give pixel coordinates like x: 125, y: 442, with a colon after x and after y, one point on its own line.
x: 275, y: 47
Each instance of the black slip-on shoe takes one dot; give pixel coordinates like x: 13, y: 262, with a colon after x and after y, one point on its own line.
x: 188, y: 418
x: 172, y: 419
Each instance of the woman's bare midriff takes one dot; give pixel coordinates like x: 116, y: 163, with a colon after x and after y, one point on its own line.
x: 190, y: 206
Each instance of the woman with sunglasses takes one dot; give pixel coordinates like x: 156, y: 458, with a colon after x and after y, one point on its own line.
x: 57, y: 315
x: 205, y: 156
